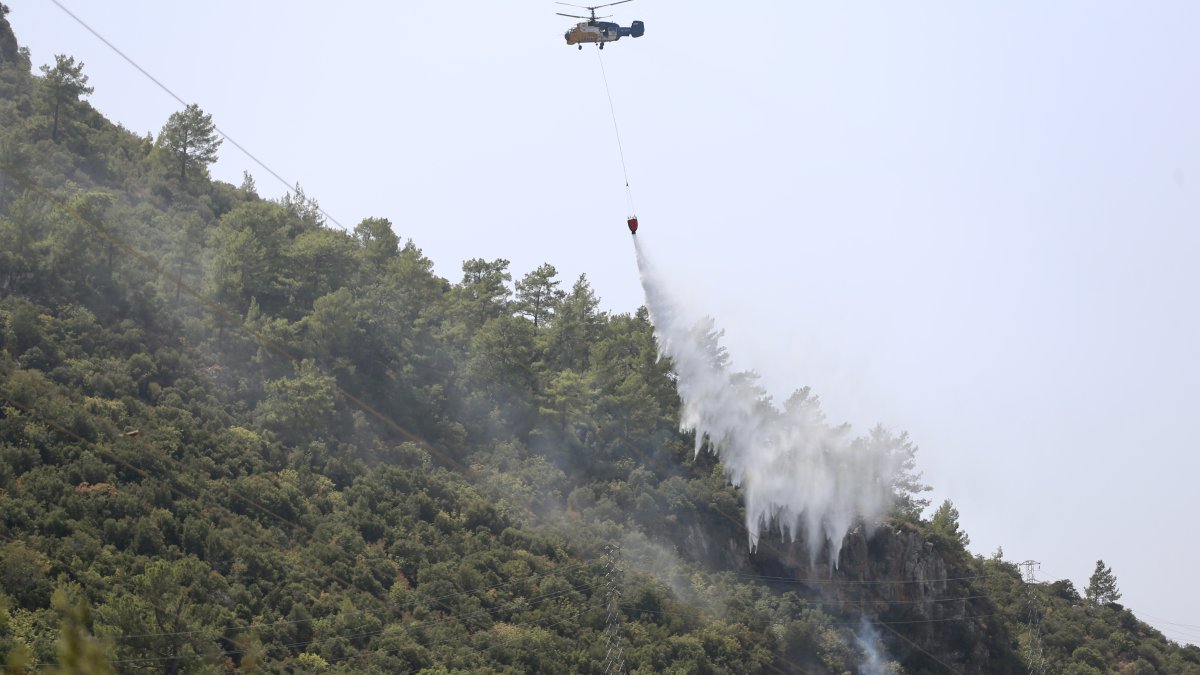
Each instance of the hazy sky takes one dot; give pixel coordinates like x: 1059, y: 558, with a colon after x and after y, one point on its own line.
x: 979, y: 222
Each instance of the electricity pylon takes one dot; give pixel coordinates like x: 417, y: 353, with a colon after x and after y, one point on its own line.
x: 1033, y: 649
x: 614, y: 658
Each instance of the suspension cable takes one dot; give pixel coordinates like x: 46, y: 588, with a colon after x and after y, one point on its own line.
x: 620, y: 147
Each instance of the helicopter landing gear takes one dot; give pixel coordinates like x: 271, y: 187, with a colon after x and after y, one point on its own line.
x: 601, y: 45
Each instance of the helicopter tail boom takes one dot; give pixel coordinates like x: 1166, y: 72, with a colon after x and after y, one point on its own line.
x: 637, y: 30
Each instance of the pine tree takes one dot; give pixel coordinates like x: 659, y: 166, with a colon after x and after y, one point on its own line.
x: 379, y: 243
x: 538, y: 294
x: 65, y: 84
x: 945, y: 522
x: 1102, y: 587
x: 9, y: 49
x: 190, y: 137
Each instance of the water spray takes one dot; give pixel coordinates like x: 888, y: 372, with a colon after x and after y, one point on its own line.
x: 802, y: 476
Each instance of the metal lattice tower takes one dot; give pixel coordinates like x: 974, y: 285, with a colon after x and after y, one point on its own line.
x: 614, y: 658
x: 1033, y: 650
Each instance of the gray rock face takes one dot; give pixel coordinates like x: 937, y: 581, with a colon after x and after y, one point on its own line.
x: 913, y: 588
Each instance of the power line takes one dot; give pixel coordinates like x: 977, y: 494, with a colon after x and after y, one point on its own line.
x: 889, y: 625
x: 437, y: 643
x: 930, y: 601
x: 438, y: 599
x: 374, y: 632
x: 1157, y: 621
x: 397, y: 607
x: 282, y: 351
x: 290, y: 187
x: 612, y: 568
x: 1179, y: 635
x: 178, y: 491
x: 232, y: 319
x: 222, y: 313
x: 1176, y: 625
x: 840, y: 582
x: 855, y: 622
x: 921, y: 649
x: 225, y: 314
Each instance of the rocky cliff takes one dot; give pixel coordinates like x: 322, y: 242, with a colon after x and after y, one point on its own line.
x: 915, y: 589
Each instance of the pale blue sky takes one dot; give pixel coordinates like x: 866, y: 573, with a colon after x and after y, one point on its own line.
x: 979, y: 222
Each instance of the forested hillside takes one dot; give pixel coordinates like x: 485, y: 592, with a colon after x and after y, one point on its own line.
x: 235, y: 438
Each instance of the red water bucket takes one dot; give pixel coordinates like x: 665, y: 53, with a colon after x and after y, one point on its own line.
x: 633, y: 224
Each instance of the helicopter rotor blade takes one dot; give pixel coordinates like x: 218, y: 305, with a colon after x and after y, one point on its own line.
x: 573, y: 16
x: 618, y: 2
x: 593, y: 9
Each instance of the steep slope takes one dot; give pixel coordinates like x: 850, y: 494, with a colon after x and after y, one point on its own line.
x: 232, y: 437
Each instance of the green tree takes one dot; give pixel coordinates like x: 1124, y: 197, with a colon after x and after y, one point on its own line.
x: 570, y: 400
x: 226, y: 508
x: 248, y: 188
x: 322, y: 260
x: 175, y: 611
x: 483, y: 293
x: 299, y: 408
x: 23, y: 575
x: 190, y: 139
x: 578, y: 324
x: 305, y: 210
x: 18, y: 260
x: 634, y: 383
x: 411, y: 277
x: 73, y: 259
x: 499, y: 375
x: 93, y: 207
x: 78, y: 650
x: 945, y: 523
x: 538, y: 294
x: 184, y: 259
x: 64, y: 84
x: 331, y: 333
x: 906, y: 483
x: 10, y: 51
x: 1102, y: 586
x: 379, y: 243
x: 251, y: 257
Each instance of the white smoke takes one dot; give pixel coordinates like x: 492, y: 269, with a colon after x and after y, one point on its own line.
x: 872, y: 647
x: 810, y: 480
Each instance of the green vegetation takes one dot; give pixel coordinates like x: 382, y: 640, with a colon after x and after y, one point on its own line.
x: 1102, y: 587
x: 233, y: 438
x: 190, y: 140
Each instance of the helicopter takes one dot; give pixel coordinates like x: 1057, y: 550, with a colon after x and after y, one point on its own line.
x: 596, y: 31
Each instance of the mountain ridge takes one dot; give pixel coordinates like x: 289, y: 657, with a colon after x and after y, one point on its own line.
x: 235, y: 438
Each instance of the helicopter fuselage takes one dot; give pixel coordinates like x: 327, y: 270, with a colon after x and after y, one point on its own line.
x: 587, y: 32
